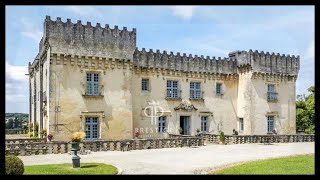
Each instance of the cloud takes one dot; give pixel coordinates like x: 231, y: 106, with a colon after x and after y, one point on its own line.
x: 36, y: 36
x: 184, y: 12
x: 16, y: 88
x: 84, y: 10
x: 30, y: 30
x: 310, y: 51
x: 16, y: 73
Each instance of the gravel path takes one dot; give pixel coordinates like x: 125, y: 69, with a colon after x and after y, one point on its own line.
x: 200, y: 160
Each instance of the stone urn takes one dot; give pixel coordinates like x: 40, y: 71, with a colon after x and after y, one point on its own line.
x: 75, y: 147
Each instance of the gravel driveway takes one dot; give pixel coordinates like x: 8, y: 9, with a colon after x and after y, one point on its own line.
x: 180, y: 160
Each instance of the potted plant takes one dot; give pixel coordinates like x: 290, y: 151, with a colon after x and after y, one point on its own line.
x: 50, y: 136
x: 76, y: 138
x: 198, y: 132
x: 43, y: 133
x: 136, y: 134
x: 75, y: 142
x: 222, y: 138
x: 180, y: 130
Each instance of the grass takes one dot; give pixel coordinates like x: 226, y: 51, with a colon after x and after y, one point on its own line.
x: 86, y: 168
x: 302, y: 164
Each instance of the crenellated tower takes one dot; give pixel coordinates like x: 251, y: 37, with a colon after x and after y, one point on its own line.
x: 88, y: 40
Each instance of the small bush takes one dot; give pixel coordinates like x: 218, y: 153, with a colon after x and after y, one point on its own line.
x: 30, y: 134
x: 43, y: 132
x: 14, y: 165
x: 222, y: 138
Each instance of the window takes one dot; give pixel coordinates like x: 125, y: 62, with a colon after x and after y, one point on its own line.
x: 92, y: 84
x: 204, y: 123
x: 241, y: 125
x: 272, y: 95
x: 162, y: 124
x: 195, y: 90
x: 145, y: 84
x: 270, y: 123
x: 172, y: 89
x: 218, y: 89
x: 91, y: 128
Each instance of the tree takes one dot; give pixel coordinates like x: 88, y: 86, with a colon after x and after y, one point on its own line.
x: 9, y: 124
x: 305, y: 112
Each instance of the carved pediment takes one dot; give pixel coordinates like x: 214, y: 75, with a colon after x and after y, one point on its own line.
x: 185, y: 105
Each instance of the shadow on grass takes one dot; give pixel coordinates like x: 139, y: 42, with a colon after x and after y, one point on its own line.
x: 89, y: 166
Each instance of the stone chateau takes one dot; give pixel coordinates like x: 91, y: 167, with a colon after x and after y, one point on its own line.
x: 94, y: 79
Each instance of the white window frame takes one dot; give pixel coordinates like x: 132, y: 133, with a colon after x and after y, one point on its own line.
x: 218, y: 92
x: 93, y: 85
x: 204, y: 124
x: 195, y: 90
x: 162, y: 124
x: 270, y: 124
x: 271, y: 92
x: 91, y: 124
x: 145, y: 83
x: 172, y: 89
x: 241, y: 125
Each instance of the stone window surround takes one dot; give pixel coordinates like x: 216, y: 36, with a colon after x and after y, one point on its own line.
x: 276, y: 119
x: 98, y: 114
x: 241, y: 130
x: 147, y: 84
x: 179, y: 88
x: 84, y: 81
x: 222, y: 87
x: 142, y: 92
x: 201, y: 88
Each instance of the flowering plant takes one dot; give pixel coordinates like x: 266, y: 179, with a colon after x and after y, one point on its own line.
x: 78, y: 136
x: 50, y: 136
x: 137, y: 134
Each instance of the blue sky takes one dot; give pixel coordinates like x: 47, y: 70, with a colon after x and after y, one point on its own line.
x: 202, y: 30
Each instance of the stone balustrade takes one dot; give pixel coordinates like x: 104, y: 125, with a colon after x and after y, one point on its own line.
x: 242, y: 139
x: 16, y: 131
x: 23, y: 148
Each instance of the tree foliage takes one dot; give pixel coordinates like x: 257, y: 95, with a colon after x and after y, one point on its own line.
x: 305, y: 112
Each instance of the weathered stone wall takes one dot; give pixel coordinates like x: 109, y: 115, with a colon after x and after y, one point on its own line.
x: 254, y: 107
x: 270, y: 63
x: 68, y: 85
x: 215, y: 107
x: 183, y: 62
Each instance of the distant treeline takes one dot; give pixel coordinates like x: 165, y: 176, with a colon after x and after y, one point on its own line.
x: 17, y: 120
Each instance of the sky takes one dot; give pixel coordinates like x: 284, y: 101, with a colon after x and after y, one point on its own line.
x: 198, y: 30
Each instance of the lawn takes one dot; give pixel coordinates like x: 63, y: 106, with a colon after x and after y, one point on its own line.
x: 302, y: 164
x: 86, y: 168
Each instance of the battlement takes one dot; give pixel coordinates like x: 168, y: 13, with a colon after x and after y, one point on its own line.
x: 76, y: 38
x: 183, y: 62
x: 273, y: 63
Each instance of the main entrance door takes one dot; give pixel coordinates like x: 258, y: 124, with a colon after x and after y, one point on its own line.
x: 185, y: 124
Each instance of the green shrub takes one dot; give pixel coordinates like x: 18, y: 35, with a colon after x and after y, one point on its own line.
x: 14, y: 165
x: 43, y: 132
x: 222, y: 138
x: 34, y: 137
x: 30, y: 134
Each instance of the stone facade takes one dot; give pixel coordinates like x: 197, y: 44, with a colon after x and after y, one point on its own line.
x: 60, y: 103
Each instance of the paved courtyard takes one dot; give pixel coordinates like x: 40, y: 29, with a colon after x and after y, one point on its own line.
x: 180, y: 160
